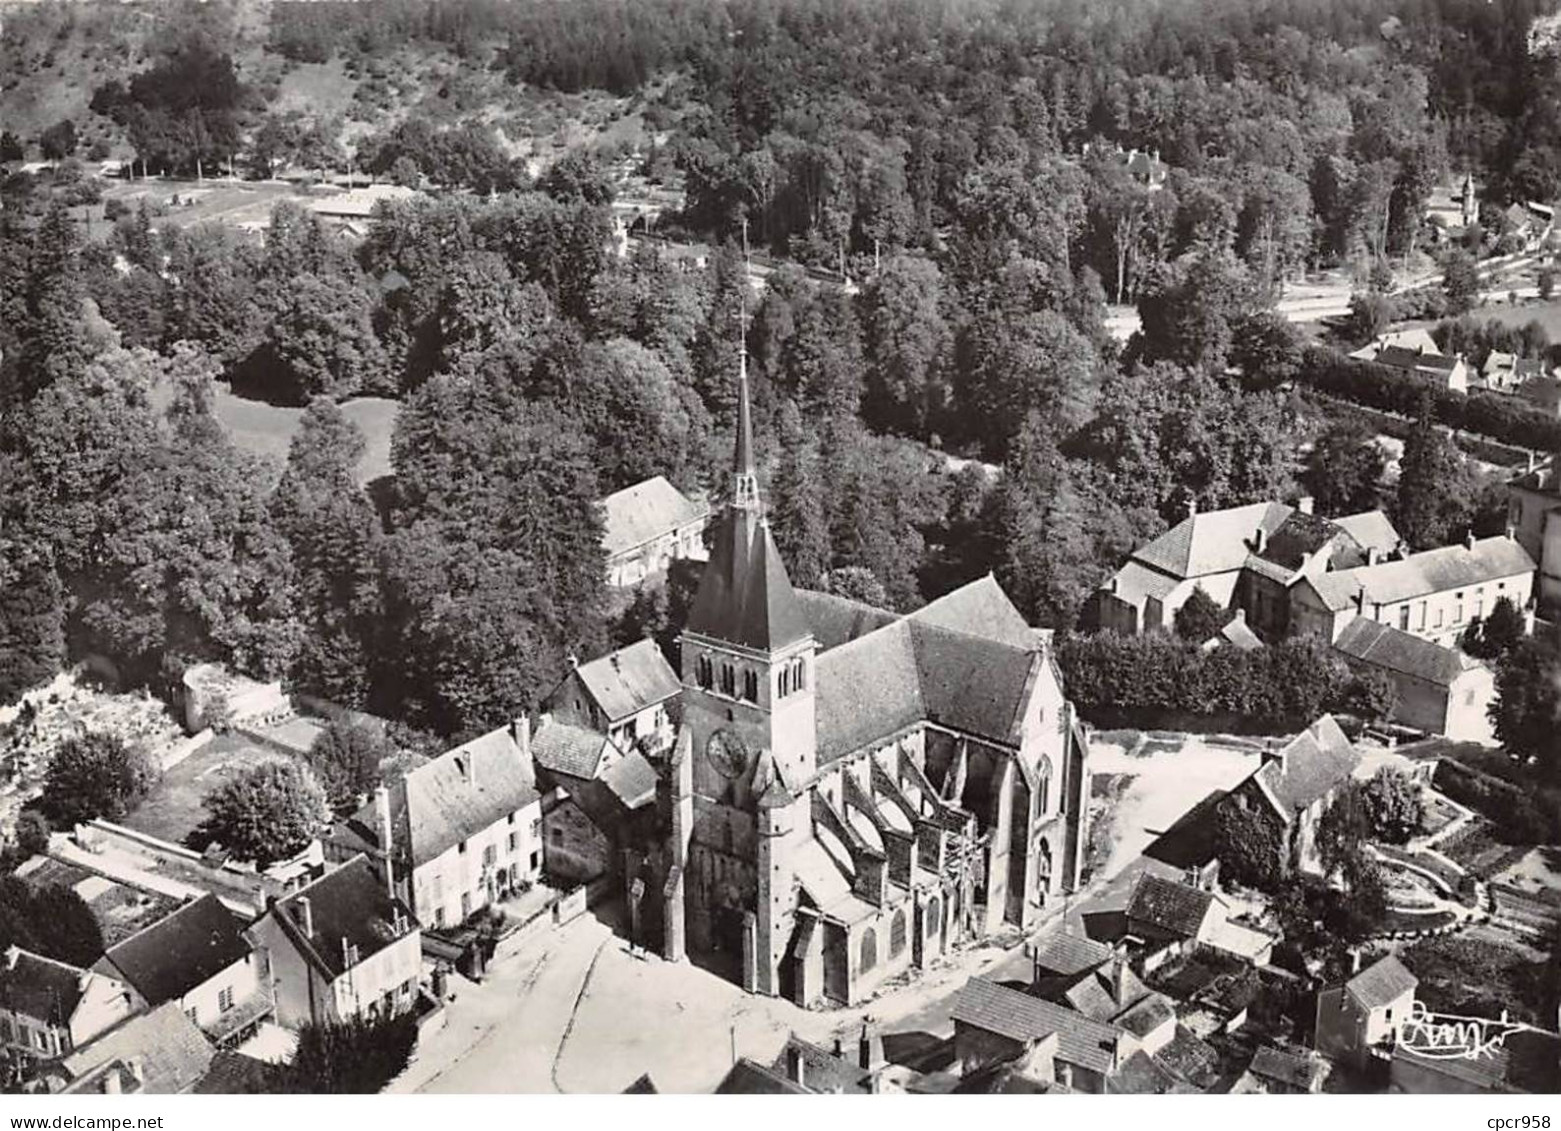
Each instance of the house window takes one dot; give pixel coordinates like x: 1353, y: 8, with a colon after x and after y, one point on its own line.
x: 557, y: 835
x: 513, y: 844
x: 466, y: 904
x: 438, y: 917
x: 536, y: 862
x: 510, y: 820
x: 1422, y: 615
x: 1403, y: 618
x: 225, y: 998
x: 490, y: 854
x: 1479, y: 604
x: 192, y: 1014
x: 869, y: 957
x: 1458, y: 610
x: 1441, y: 617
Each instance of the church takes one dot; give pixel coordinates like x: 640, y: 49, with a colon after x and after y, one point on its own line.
x: 853, y: 792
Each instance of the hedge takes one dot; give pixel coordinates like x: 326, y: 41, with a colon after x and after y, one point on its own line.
x: 1500, y: 416
x: 1515, y: 813
x: 1144, y: 680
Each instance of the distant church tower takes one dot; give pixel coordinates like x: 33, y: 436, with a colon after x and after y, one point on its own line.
x: 750, y: 727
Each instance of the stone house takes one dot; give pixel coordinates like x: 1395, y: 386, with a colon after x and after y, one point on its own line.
x: 200, y: 958
x: 49, y: 1009
x: 1534, y: 513
x: 1365, y: 1012
x: 344, y: 946
x: 629, y: 695
x: 648, y: 526
x: 1437, y: 689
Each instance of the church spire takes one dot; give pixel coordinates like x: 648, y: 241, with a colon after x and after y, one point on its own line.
x: 745, y: 480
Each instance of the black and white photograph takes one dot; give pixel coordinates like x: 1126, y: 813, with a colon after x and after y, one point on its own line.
x: 750, y: 547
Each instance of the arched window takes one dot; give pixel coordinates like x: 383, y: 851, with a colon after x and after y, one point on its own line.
x: 728, y: 680
x: 705, y: 672
x: 897, y: 934
x: 751, y: 686
x: 934, y: 916
x: 799, y: 678
x: 783, y: 688
x: 869, y: 951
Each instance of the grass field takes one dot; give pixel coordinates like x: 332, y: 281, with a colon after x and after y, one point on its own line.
x: 1547, y: 314
x: 176, y: 807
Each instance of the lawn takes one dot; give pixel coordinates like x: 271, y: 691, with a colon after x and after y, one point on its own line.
x: 267, y: 429
x: 176, y: 807
x: 1547, y: 314
x: 1439, y: 813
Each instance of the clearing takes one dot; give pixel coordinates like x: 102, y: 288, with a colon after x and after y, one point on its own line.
x: 176, y: 807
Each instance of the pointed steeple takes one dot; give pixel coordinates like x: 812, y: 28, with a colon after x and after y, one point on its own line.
x: 745, y: 596
x: 745, y: 480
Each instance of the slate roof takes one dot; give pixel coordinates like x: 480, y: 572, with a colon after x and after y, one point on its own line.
x: 176, y: 954
x: 1309, y: 765
x: 462, y: 792
x: 1066, y: 954
x: 1147, y: 1014
x: 1431, y: 571
x: 839, y: 620
x: 1096, y: 994
x: 913, y: 672
x: 565, y: 748
x: 1381, y: 983
x: 1135, y: 582
x: 41, y: 988
x: 1418, y: 340
x: 644, y: 512
x: 1190, y: 1057
x: 1299, y: 536
x: 1238, y: 634
x: 1212, y: 541
x: 745, y: 597
x: 979, y: 608
x: 347, y: 905
x: 174, y: 1054
x: 1401, y: 358
x: 1018, y: 1016
x: 1383, y: 646
x: 627, y: 681
x: 1143, y: 1075
x: 1293, y: 1069
x: 1175, y: 907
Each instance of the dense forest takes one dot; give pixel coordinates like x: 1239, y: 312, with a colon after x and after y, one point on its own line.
x: 965, y: 162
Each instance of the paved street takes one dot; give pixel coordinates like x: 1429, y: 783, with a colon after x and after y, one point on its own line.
x: 574, y: 1011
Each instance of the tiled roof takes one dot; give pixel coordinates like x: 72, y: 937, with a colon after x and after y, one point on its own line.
x: 644, y: 512
x: 1295, y: 1069
x: 632, y: 780
x: 174, y: 1054
x: 1381, y: 983
x: 627, y: 681
x: 822, y: 1070
x: 463, y: 791
x: 175, y: 955
x: 1400, y: 358
x: 1431, y: 571
x: 1383, y: 646
x: 1098, y: 995
x: 1488, y: 1072
x: 1171, y: 906
x: 1019, y: 1017
x: 350, y: 908
x: 41, y: 988
x: 1309, y: 765
x: 1418, y: 340
x: 1147, y: 1014
x: 1143, y: 1075
x: 839, y: 620
x: 1299, y: 536
x: 231, y: 1074
x: 1190, y: 1057
x: 748, y: 1078
x: 1372, y: 529
x: 745, y: 597
x: 1067, y: 954
x: 564, y: 748
x: 1212, y: 541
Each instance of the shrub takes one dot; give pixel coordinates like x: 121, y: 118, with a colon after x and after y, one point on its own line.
x: 1394, y: 805
x: 268, y: 813
x: 95, y: 775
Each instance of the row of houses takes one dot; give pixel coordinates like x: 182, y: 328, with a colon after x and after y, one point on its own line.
x: 1416, y: 353
x: 1285, y: 571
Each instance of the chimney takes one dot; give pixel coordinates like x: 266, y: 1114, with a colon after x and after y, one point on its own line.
x: 1305, y: 504
x: 796, y: 1069
x: 520, y: 732
x: 468, y: 767
x: 1273, y: 754
x: 1192, y: 506
x: 1360, y: 601
x: 1354, y: 961
x: 1118, y: 980
x: 1111, y: 584
x: 383, y: 831
x: 840, y: 1047
x: 869, y: 1048
x: 303, y: 915
x: 1468, y: 541
x: 137, y: 1069
x: 574, y: 661
x: 1372, y: 555
x: 1260, y: 541
x: 111, y: 1085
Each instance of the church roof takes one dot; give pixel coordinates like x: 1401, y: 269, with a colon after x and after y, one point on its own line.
x: 836, y: 620
x: 980, y: 608
x: 911, y: 672
x: 745, y: 597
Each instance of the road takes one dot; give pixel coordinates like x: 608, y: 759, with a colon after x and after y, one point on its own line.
x: 574, y: 1011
